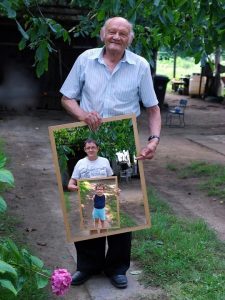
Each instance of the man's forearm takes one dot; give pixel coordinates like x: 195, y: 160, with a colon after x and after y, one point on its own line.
x: 154, y: 123
x: 72, y: 107
x: 154, y: 120
x: 92, y: 119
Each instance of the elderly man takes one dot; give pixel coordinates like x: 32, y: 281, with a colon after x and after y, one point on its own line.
x: 110, y: 81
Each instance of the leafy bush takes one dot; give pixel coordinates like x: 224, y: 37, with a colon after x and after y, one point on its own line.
x: 6, y: 180
x: 17, y: 266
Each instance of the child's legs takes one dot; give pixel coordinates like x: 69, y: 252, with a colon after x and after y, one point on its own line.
x: 95, y: 216
x: 102, y: 216
x: 103, y: 223
x: 96, y: 222
x: 99, y: 214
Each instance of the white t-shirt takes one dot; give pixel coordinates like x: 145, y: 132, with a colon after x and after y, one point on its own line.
x: 86, y: 168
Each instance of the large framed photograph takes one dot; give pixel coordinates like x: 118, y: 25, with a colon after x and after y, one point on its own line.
x: 106, y: 218
x: 101, y: 183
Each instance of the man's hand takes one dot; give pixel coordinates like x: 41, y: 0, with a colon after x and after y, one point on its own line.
x: 148, y: 151
x: 92, y: 119
x: 72, y: 185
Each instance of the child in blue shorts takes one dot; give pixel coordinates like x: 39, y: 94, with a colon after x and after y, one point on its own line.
x: 99, y: 205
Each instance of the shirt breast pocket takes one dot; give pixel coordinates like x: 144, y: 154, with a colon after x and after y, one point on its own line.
x: 126, y: 90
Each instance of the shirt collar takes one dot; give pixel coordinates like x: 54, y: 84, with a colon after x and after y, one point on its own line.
x: 98, y: 54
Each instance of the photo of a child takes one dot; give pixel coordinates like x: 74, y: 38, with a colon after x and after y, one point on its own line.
x: 99, y: 199
x: 99, y: 203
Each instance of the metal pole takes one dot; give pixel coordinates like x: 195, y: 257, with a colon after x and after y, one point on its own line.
x: 174, y: 64
x: 60, y: 65
x: 200, y: 84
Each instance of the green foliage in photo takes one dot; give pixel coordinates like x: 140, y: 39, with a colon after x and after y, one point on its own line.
x: 111, y: 137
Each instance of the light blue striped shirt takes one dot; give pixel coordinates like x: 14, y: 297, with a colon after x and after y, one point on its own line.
x: 110, y: 93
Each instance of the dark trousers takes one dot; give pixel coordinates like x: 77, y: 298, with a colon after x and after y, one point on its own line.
x: 91, y: 256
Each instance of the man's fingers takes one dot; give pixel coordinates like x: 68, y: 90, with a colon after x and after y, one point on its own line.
x: 93, y: 120
x: 146, y: 153
x: 140, y: 157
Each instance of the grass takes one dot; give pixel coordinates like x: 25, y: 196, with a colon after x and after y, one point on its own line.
x: 211, y: 175
x: 172, y: 167
x: 185, y: 66
x: 182, y: 256
x: 125, y: 219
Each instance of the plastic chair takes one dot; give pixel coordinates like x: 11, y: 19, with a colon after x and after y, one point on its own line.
x: 126, y: 174
x: 176, y: 112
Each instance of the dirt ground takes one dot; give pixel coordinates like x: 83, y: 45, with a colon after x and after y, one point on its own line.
x: 35, y: 198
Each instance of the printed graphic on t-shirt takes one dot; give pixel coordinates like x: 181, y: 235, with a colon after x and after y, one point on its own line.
x: 93, y: 172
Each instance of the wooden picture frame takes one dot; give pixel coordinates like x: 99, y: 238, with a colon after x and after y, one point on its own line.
x: 118, y: 141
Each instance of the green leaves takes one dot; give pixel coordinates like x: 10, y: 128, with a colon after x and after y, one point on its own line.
x: 7, y: 284
x: 6, y: 8
x: 38, y: 37
x: 41, y: 281
x: 36, y: 261
x: 156, y: 2
x: 175, y: 25
x: 2, y: 159
x: 111, y: 136
x: 41, y: 57
x: 37, y: 33
x: 101, y: 15
x: 18, y: 267
x: 7, y: 271
x: 132, y: 3
x: 22, y: 31
x: 6, y: 177
x: 6, y: 268
x: 3, y: 205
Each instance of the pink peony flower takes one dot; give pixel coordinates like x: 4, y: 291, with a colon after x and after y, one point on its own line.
x: 60, y: 281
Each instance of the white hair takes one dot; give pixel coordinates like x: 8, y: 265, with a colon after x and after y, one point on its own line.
x: 103, y: 29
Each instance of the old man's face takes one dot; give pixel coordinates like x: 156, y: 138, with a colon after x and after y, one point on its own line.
x: 117, y: 35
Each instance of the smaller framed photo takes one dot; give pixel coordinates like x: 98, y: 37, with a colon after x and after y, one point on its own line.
x: 99, y: 204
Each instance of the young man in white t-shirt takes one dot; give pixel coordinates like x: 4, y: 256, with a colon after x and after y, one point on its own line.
x: 90, y: 166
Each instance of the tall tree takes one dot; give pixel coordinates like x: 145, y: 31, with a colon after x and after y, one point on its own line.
x: 191, y: 27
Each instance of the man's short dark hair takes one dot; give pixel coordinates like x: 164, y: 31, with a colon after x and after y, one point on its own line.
x: 88, y: 141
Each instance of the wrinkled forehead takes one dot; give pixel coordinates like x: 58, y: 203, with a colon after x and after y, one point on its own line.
x: 119, y: 24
